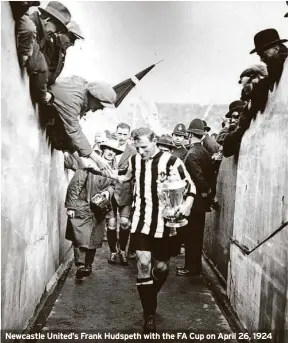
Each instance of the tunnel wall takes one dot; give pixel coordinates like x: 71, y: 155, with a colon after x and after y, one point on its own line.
x: 219, y: 224
x: 33, y: 182
x: 257, y: 283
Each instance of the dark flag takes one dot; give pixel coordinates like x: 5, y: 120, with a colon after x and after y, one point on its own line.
x: 123, y: 88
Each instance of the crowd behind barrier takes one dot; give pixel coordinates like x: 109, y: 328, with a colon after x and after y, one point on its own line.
x: 43, y: 38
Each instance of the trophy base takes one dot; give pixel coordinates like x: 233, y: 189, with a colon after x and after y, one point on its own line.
x: 179, y: 223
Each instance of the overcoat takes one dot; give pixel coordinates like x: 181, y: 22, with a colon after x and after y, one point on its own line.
x: 86, y: 230
x: 71, y: 103
x: 199, y: 165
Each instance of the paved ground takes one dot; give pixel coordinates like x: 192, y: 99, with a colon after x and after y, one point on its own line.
x: 107, y: 301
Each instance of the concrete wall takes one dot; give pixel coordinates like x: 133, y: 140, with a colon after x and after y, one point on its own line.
x: 33, y: 190
x: 219, y: 224
x: 258, y: 283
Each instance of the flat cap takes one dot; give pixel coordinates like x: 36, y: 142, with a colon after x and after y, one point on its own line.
x: 103, y: 92
x: 255, y: 70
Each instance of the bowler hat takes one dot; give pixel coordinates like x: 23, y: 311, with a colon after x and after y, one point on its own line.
x: 166, y: 140
x: 103, y: 92
x: 255, y: 70
x: 235, y: 106
x: 206, y: 128
x: 196, y: 126
x: 74, y: 28
x: 111, y: 144
x: 179, y: 130
x: 266, y: 39
x: 58, y: 11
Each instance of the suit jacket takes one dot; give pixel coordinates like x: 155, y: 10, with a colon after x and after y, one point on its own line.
x: 199, y: 165
x: 123, y: 193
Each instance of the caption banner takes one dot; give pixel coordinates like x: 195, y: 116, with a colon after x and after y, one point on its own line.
x: 128, y: 336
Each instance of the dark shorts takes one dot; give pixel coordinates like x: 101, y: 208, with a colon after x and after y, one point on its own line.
x: 161, y: 248
x: 124, y: 211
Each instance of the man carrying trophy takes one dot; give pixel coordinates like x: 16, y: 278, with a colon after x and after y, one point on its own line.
x: 163, y: 198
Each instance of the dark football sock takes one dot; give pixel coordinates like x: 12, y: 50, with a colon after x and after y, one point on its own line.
x: 123, y: 238
x: 159, y: 277
x: 112, y: 239
x: 90, y: 254
x: 147, y: 295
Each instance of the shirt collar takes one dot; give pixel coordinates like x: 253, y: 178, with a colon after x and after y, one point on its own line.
x: 157, y: 151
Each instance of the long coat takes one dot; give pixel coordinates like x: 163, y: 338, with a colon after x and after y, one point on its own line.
x: 86, y: 230
x: 123, y: 193
x: 70, y: 102
x: 199, y: 165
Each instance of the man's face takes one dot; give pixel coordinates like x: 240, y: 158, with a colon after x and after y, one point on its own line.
x: 101, y: 138
x: 66, y: 40
x: 109, y: 154
x: 234, y: 118
x: 247, y: 84
x: 145, y: 147
x: 51, y: 25
x: 122, y: 135
x: 269, y: 55
x: 94, y: 104
x: 177, y: 139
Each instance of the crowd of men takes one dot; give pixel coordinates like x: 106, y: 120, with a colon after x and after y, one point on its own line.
x: 116, y: 187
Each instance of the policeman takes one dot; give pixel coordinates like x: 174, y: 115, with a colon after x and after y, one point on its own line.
x: 179, y: 134
x: 199, y: 165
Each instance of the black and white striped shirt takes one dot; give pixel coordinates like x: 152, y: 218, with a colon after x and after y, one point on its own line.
x: 147, y: 206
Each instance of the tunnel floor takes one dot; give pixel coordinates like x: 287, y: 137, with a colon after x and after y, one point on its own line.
x: 107, y: 301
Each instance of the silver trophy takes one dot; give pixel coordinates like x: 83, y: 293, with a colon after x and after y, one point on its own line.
x: 173, y: 190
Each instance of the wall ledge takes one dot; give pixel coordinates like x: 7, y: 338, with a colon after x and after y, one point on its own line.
x: 216, y: 284
x: 50, y: 295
